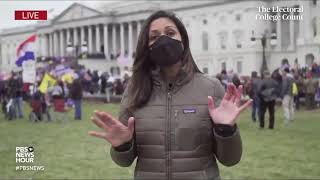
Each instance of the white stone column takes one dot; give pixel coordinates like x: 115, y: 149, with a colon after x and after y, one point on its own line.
x: 61, y: 43
x: 279, y: 42
x: 82, y: 36
x: 122, y: 38
x: 55, y: 43
x: 50, y: 37
x: 291, y: 29
x: 305, y: 24
x: 45, y: 45
x: 90, y: 39
x: 68, y: 37
x: 75, y: 37
x: 46, y: 48
x: 114, y: 44
x: 130, y: 45
x: 105, y: 40
x: 138, y: 29
x: 39, y: 43
x: 307, y: 19
x: 98, y: 38
x: 300, y: 39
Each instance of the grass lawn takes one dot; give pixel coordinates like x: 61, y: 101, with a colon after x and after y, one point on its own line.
x: 66, y: 151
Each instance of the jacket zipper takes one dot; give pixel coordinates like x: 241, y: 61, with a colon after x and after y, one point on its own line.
x: 176, y: 116
x: 169, y: 133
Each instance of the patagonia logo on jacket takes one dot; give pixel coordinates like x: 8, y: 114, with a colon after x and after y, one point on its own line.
x: 188, y: 111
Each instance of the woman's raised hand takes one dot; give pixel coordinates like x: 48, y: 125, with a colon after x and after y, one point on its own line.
x: 229, y: 108
x: 113, y: 130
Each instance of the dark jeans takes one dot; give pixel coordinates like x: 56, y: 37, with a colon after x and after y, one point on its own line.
x: 77, y: 107
x: 264, y: 106
x: 255, y: 108
x: 18, y: 106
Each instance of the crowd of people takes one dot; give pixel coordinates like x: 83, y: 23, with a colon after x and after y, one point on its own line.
x: 52, y: 95
x: 105, y: 84
x: 289, y: 85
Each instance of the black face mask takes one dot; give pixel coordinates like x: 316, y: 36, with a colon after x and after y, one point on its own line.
x: 165, y: 51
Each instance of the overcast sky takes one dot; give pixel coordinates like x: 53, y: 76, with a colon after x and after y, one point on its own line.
x: 8, y: 7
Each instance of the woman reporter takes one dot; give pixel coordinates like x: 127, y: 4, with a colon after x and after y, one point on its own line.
x: 173, y: 119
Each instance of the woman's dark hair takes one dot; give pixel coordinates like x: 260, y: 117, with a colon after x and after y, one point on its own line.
x: 141, y: 85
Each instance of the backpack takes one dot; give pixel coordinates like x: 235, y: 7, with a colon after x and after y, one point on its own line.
x: 294, y: 89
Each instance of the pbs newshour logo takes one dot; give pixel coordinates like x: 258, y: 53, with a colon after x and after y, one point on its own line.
x: 26, y: 155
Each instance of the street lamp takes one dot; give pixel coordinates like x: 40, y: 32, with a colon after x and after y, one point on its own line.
x: 263, y: 39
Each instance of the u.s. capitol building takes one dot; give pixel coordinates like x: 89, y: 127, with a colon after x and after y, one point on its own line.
x: 220, y: 34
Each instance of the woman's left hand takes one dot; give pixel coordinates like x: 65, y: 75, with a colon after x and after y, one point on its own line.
x: 229, y: 108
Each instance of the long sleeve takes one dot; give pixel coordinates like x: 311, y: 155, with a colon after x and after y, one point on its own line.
x: 124, y: 158
x: 228, y: 150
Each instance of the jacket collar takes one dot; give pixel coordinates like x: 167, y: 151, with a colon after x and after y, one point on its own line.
x: 182, y: 78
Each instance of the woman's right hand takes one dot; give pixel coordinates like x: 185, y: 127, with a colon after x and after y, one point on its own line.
x: 114, y: 131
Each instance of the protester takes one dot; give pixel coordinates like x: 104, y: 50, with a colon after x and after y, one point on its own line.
x: 95, y: 81
x: 15, y: 89
x: 118, y: 87
x: 268, y: 93
x: 103, y: 79
x: 286, y: 95
x: 236, y: 80
x: 36, y: 105
x: 298, y: 79
x: 87, y: 80
x: 311, y: 85
x: 109, y: 87
x: 7, y: 102
x: 76, y: 96
x: 253, y: 93
x: 224, y: 78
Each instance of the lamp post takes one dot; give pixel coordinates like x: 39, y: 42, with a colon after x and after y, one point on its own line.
x: 263, y: 39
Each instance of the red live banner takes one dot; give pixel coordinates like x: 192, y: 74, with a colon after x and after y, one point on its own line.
x: 30, y: 15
